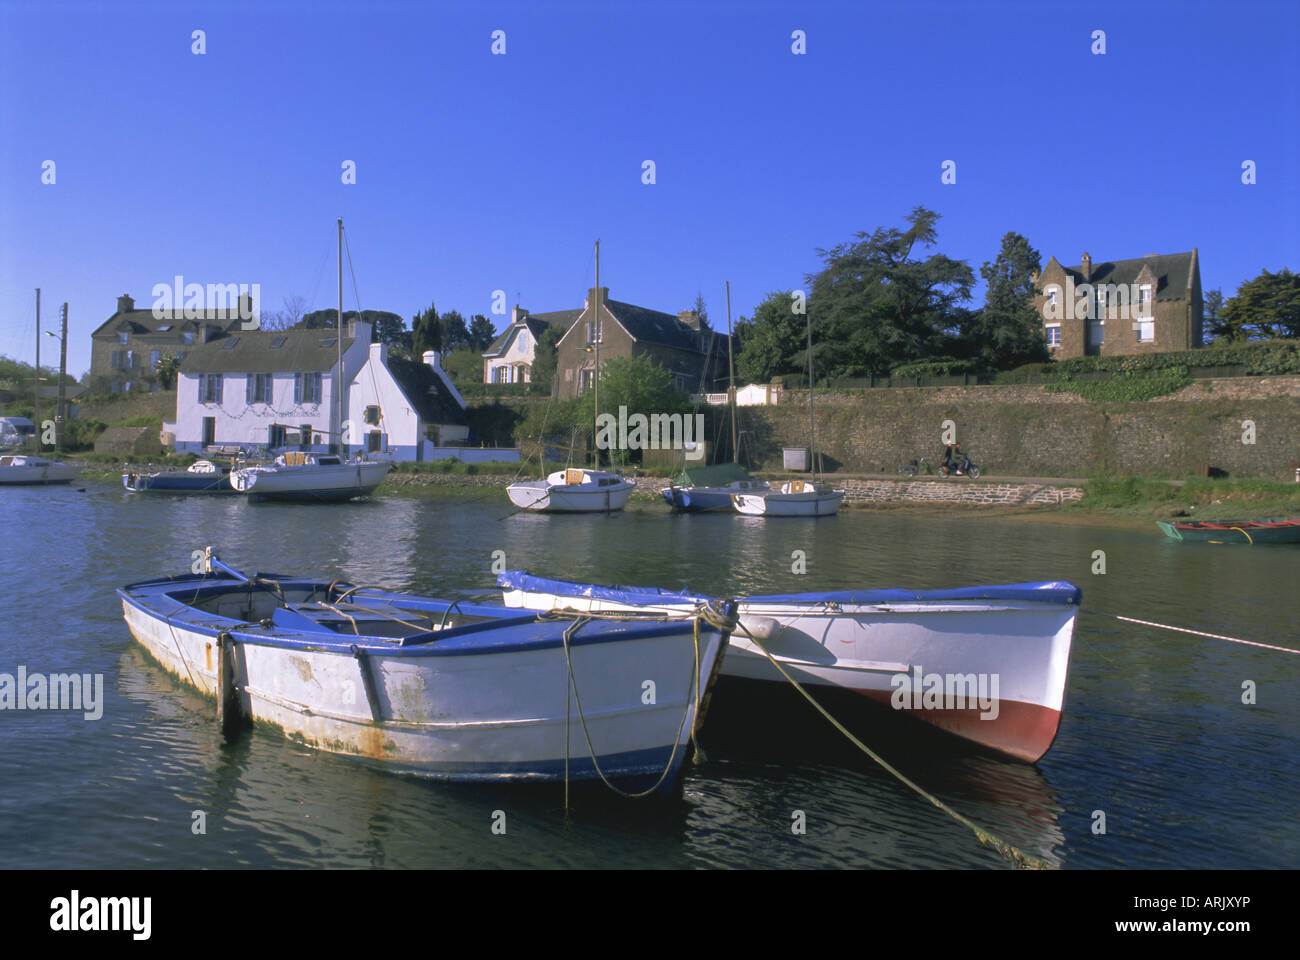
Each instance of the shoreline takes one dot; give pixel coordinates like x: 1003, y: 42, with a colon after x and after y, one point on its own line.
x: 1021, y: 499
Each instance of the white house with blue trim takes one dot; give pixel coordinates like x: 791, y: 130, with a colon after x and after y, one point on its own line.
x: 278, y: 389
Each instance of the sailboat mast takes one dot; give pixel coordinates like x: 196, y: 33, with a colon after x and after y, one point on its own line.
x: 731, y: 384
x: 812, y: 394
x: 595, y: 374
x: 36, y: 383
x: 338, y: 387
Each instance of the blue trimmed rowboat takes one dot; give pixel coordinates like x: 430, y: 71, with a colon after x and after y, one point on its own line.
x: 987, y: 664
x: 445, y: 689
x: 202, y: 476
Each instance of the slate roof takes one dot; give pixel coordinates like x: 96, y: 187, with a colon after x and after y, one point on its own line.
x: 652, y: 326
x: 143, y: 322
x: 537, y: 324
x: 238, y: 351
x: 428, y: 395
x: 1173, y: 272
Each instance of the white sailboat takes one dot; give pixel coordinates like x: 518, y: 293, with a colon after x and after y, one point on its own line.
x: 315, y: 477
x: 23, y: 470
x: 319, y: 477
x: 795, y: 498
x: 577, y: 489
x: 574, y: 490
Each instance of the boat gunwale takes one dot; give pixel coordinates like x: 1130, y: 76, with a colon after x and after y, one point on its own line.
x: 175, y: 612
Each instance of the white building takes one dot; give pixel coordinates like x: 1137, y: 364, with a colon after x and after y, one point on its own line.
x: 510, y: 357
x: 278, y: 389
x: 408, y: 410
x: 254, y: 388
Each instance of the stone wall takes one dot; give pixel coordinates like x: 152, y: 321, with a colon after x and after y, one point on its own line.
x: 1027, y: 431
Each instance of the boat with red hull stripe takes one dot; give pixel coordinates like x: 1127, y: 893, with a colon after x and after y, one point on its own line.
x: 1282, y: 530
x: 987, y: 664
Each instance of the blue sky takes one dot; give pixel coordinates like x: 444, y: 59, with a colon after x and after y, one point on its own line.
x: 478, y: 172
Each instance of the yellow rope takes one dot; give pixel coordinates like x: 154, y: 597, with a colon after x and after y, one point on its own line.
x: 1245, y: 534
x: 1012, y: 853
x: 573, y: 687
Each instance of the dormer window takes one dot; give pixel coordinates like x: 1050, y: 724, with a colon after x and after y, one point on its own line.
x: 187, y: 338
x: 164, y: 328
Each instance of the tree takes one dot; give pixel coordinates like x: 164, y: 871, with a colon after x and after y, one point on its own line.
x: 426, y: 334
x: 701, y: 310
x: 167, y: 367
x: 455, y: 333
x: 637, y: 383
x: 543, y: 370
x: 464, y: 365
x: 481, y: 333
x: 1265, y: 308
x: 1008, y: 332
x: 874, y: 306
x: 773, y: 341
x: 1211, y: 316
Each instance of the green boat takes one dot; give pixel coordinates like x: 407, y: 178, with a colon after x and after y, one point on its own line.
x: 1282, y: 530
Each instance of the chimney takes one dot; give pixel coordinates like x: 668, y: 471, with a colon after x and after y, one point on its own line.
x: 379, y: 354
x: 517, y: 313
x: 591, y: 295
x: 690, y: 318
x: 1086, y: 267
x: 125, y: 304
x: 433, y: 359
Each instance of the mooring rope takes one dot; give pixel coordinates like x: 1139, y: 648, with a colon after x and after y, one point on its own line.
x: 1011, y: 852
x: 1196, y: 633
x: 572, y: 687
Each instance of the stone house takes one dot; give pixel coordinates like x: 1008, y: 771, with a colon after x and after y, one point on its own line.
x: 1149, y: 304
x: 692, y: 354
x: 126, y: 347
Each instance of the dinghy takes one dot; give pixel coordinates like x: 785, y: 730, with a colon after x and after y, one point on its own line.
x: 572, y: 491
x: 311, y: 477
x: 23, y: 470
x: 987, y: 664
x: 794, y: 498
x: 1280, y: 530
x: 449, y: 690
x: 202, y: 476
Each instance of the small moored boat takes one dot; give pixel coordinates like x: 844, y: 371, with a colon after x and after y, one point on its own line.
x: 449, y: 690
x: 24, y: 470
x: 310, y: 476
x: 574, y: 490
x: 793, y: 498
x: 202, y: 476
x: 987, y: 664
x: 1282, y: 530
x: 702, y: 489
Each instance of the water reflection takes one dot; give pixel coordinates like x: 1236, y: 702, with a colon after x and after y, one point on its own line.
x: 1154, y: 730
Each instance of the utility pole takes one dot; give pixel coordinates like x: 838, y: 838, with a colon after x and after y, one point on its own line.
x: 63, y: 369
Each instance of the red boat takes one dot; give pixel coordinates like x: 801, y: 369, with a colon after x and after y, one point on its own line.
x: 1235, y: 531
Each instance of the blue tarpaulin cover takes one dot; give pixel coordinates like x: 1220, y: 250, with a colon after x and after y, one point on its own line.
x: 1053, y: 591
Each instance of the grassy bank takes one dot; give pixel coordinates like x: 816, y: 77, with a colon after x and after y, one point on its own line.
x: 1198, y: 498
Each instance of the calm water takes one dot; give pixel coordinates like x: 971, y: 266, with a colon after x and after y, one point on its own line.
x: 1154, y: 732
